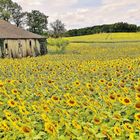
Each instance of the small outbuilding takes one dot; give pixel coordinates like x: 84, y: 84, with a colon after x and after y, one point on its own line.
x: 16, y: 42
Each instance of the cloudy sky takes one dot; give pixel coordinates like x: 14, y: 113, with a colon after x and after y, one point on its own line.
x: 83, y: 13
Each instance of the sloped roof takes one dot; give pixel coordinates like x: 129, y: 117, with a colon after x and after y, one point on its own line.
x: 9, y: 31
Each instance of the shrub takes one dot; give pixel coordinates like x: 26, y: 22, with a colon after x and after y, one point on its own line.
x: 59, y: 43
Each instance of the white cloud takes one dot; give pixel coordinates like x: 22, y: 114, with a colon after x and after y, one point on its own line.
x: 74, y: 16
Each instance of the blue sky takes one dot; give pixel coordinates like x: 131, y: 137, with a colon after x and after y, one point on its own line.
x: 83, y: 13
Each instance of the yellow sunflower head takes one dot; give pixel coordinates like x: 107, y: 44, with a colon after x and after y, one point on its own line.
x: 1, y: 84
x: 128, y: 127
x: 117, y: 130
x: 126, y: 101
x: 12, y: 103
x: 14, y: 91
x: 76, y: 125
x: 137, y: 96
x: 137, y: 88
x: 55, y: 98
x: 137, y: 105
x: 137, y: 116
x: 76, y: 83
x: 97, y: 120
x: 50, y: 128
x: 26, y: 129
x: 71, y: 102
x: 4, y: 126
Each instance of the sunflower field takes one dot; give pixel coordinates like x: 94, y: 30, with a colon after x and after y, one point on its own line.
x: 92, y: 92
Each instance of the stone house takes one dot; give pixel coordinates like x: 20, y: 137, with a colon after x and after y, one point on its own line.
x: 16, y: 42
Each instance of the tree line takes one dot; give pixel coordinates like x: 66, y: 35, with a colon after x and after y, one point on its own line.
x: 107, y: 28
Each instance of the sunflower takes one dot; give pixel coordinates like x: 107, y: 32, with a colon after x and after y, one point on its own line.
x: 126, y: 101
x: 117, y: 130
x: 137, y: 105
x: 50, y: 128
x: 131, y: 136
x: 137, y: 124
x: 138, y: 96
x: 45, y: 117
x: 117, y: 116
x: 46, y: 108
x: 26, y: 129
x: 12, y: 103
x: 97, y: 120
x: 39, y: 94
x: 55, y: 98
x: 4, y: 126
x: 88, y: 85
x: 67, y: 95
x: 137, y: 88
x: 128, y: 127
x: 50, y: 81
x: 121, y: 85
x: 1, y: 84
x: 118, y: 95
x: 71, y: 102
x: 14, y: 91
x: 1, y: 103
x: 112, y: 97
x: 76, y: 125
x: 8, y: 81
x: 125, y: 89
x: 93, y: 69
x: 137, y: 116
x: 23, y: 110
x: 76, y: 83
x: 109, y: 85
x: 7, y: 113
x: 102, y: 81
x: 16, y: 119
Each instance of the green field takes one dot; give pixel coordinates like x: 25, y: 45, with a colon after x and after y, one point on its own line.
x: 107, y: 37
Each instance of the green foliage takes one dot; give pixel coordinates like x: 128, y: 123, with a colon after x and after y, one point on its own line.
x: 6, y: 7
x: 11, y: 11
x: 110, y: 28
x: 138, y: 28
x: 18, y: 15
x: 37, y: 22
x: 59, y: 43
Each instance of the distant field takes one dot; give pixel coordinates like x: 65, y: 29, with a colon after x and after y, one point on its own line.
x: 106, y: 37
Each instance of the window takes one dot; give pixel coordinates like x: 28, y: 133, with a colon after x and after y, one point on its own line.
x: 6, y: 49
x: 19, y: 45
x: 6, y: 46
x: 30, y: 43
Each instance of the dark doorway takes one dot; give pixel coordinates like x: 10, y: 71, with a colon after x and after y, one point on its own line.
x: 1, y: 48
x: 43, y: 46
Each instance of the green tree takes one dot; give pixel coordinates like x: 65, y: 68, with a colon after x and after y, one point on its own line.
x: 17, y: 15
x: 138, y: 29
x: 6, y: 7
x: 58, y: 28
x: 37, y: 22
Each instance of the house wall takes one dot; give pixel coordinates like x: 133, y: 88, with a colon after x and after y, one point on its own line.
x: 21, y: 48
